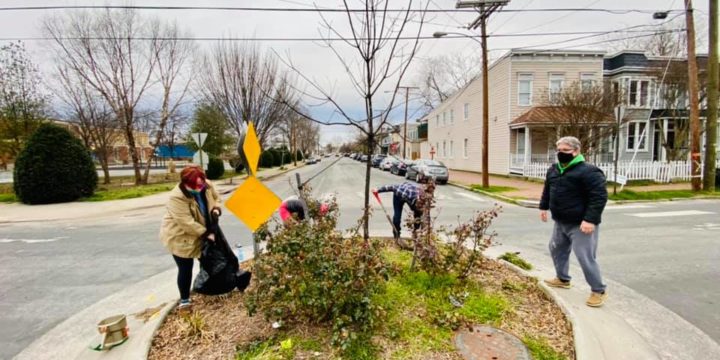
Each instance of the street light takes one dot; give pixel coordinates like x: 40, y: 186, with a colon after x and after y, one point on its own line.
x: 485, y: 8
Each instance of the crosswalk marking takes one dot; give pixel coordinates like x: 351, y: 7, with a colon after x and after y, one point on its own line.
x: 627, y: 207
x: 469, y: 196
x: 671, y: 213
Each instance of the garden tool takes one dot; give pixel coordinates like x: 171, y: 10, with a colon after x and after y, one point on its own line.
x: 387, y: 215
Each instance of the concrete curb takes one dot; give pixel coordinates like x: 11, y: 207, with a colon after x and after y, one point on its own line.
x: 579, y: 354
x: 519, y: 202
x: 67, y: 340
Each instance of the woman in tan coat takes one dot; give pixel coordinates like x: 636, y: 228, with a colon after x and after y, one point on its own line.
x: 187, y: 223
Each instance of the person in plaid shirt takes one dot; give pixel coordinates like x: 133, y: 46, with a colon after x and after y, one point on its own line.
x: 405, y: 193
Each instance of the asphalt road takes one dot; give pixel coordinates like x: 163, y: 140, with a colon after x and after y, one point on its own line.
x: 48, y: 271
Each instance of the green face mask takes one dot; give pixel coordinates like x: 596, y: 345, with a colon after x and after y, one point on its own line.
x: 196, y: 191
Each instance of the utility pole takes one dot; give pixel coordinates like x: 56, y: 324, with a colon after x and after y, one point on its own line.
x: 694, y: 106
x: 407, y: 92
x: 712, y: 111
x: 486, y: 8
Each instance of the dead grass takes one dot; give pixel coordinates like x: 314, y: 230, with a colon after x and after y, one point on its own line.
x: 533, y: 313
x: 220, y: 328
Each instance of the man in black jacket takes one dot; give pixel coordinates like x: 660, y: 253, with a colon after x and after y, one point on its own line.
x: 575, y: 193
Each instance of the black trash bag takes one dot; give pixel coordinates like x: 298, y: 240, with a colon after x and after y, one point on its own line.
x: 219, y: 268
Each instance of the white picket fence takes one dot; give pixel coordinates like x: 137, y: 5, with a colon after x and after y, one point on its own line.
x: 657, y: 171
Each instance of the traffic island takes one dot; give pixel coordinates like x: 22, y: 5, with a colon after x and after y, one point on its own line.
x: 419, y: 316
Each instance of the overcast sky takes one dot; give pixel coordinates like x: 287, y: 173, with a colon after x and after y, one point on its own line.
x: 319, y: 63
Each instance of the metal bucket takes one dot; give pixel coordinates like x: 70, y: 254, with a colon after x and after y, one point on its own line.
x: 114, y: 331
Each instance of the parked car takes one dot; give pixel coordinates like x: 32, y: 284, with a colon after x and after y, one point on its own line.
x: 424, y: 169
x: 377, y: 159
x: 386, y: 164
x: 363, y: 158
x: 400, y: 167
x: 312, y: 160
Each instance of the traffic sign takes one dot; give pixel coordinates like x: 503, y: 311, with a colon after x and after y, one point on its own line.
x: 199, y: 139
x: 201, y: 158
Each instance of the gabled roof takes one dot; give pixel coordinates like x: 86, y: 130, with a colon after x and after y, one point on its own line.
x: 545, y: 116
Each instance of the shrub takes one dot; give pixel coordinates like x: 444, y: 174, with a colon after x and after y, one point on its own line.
x: 282, y: 156
x: 54, y: 167
x: 237, y: 163
x: 516, y: 260
x: 267, y: 159
x: 455, y: 251
x: 312, y: 273
x: 216, y: 168
x: 299, y: 156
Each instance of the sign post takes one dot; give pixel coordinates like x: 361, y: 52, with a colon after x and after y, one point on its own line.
x: 619, y: 114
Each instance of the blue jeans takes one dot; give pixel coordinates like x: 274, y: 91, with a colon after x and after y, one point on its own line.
x: 398, y: 204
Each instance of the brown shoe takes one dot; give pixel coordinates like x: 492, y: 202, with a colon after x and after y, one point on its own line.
x: 596, y: 299
x: 555, y: 282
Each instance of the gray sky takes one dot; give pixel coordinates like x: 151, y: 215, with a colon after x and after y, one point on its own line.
x: 319, y: 63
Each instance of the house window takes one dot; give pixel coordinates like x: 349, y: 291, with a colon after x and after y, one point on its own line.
x: 437, y: 149
x: 639, y: 93
x: 465, y: 148
x: 444, y: 152
x: 556, y: 85
x: 451, y: 148
x: 444, y: 118
x: 452, y: 116
x: 466, y: 111
x: 637, y: 136
x: 587, y: 81
x: 616, y: 90
x: 525, y: 89
x: 520, y: 142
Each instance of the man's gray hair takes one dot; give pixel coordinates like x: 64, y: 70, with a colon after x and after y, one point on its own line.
x: 571, y: 141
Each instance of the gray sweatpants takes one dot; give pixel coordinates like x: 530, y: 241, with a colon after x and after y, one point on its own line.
x: 567, y: 237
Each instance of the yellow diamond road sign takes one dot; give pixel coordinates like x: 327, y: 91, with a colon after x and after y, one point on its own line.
x: 251, y: 147
x: 253, y: 203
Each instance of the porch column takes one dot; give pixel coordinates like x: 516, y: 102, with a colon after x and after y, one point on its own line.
x: 528, y: 149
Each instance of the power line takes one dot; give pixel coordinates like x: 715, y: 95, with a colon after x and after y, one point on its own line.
x: 212, y: 38
x: 276, y: 9
x: 592, y: 43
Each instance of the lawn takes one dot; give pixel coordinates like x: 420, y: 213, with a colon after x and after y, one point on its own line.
x: 120, y: 187
x: 658, y: 195
x: 492, y: 189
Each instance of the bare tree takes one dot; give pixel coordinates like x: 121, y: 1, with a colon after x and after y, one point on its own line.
x: 293, y: 128
x: 665, y: 39
x: 104, y: 51
x: 171, y: 57
x: 381, y: 62
x: 96, y: 123
x: 443, y: 75
x: 584, y: 112
x: 242, y: 82
x: 308, y: 135
x: 673, y: 104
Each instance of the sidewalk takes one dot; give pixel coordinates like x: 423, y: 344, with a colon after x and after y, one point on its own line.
x: 628, y: 326
x: 18, y: 212
x: 531, y: 190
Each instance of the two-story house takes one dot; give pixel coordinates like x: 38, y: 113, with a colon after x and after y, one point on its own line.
x: 519, y: 82
x: 654, y: 92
